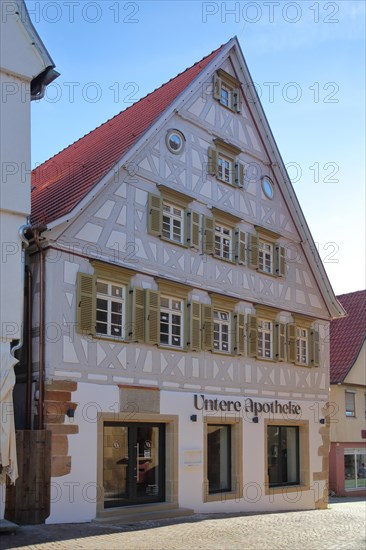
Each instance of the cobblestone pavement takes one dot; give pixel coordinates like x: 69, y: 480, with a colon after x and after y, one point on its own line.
x: 342, y: 526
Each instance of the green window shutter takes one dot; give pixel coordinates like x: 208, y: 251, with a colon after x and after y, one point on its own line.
x: 240, y: 246
x: 152, y: 331
x: 253, y: 251
x: 280, y: 341
x: 291, y: 342
x: 208, y: 235
x: 212, y: 161
x: 137, y: 333
x: 154, y: 215
x: 252, y: 335
x: 240, y: 334
x: 216, y: 87
x: 195, y: 326
x: 280, y: 260
x: 207, y: 320
x: 237, y: 100
x: 194, y: 232
x: 314, y: 342
x: 86, y: 303
x: 239, y: 174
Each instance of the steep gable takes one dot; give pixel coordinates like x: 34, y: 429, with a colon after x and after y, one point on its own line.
x: 62, y: 181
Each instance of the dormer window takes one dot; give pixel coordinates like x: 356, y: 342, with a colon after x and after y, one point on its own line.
x: 226, y: 89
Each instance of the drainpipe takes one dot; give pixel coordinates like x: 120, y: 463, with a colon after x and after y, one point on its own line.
x: 25, y: 244
x: 36, y: 235
x: 28, y: 401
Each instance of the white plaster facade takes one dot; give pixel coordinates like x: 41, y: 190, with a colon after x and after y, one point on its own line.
x: 110, y: 226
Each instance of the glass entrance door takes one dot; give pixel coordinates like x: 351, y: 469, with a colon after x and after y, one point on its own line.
x: 133, y: 463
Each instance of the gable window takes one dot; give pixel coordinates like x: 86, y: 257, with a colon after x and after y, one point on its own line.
x: 221, y: 337
x: 283, y: 455
x: 265, y: 257
x: 350, y: 403
x: 169, y: 218
x: 223, y: 162
x: 173, y: 222
x: 171, y: 322
x: 226, y: 89
x: 302, y: 346
x: 223, y: 242
x: 110, y: 309
x: 224, y: 169
x: 265, y: 339
x: 265, y: 253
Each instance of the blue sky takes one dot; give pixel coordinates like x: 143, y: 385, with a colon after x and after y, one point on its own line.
x: 307, y: 60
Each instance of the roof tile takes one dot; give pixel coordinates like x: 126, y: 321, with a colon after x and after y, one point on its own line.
x: 347, y: 335
x: 61, y: 182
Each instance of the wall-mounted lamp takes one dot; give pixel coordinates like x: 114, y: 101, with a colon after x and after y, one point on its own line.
x: 193, y: 418
x: 322, y: 420
x: 255, y: 419
x: 70, y: 413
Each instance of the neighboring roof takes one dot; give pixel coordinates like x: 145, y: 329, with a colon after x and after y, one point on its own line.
x: 347, y: 335
x: 60, y: 183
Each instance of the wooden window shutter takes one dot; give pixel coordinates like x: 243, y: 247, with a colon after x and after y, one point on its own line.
x: 154, y: 215
x: 194, y: 232
x: 240, y: 247
x: 252, y: 335
x: 207, y: 319
x: 280, y: 259
x: 86, y: 303
x: 216, y: 87
x: 314, y: 340
x: 195, y: 326
x: 240, y: 334
x: 137, y: 333
x: 212, y: 161
x: 253, y: 251
x: 208, y: 235
x: 239, y: 173
x: 291, y: 342
x: 237, y: 100
x: 152, y: 331
x: 280, y: 341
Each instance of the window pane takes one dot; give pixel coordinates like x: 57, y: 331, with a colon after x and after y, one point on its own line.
x: 102, y: 316
x: 102, y: 304
x: 218, y: 458
x: 283, y: 455
x: 349, y: 472
x: 101, y: 328
x: 102, y: 288
x: 350, y: 404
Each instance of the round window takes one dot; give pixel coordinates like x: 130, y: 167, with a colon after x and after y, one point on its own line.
x: 267, y: 187
x: 175, y: 141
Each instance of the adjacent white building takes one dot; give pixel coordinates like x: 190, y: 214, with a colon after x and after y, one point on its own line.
x: 25, y: 69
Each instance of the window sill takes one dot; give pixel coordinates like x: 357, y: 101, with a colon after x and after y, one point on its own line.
x: 281, y: 489
x: 267, y: 359
x: 224, y: 353
x: 171, y: 348
x: 165, y: 239
x: 219, y: 497
x: 273, y: 275
x: 231, y: 109
x: 113, y: 339
x: 306, y: 365
x: 227, y: 260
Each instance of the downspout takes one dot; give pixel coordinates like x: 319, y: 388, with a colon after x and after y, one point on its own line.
x: 36, y: 234
x: 25, y: 243
x: 28, y: 401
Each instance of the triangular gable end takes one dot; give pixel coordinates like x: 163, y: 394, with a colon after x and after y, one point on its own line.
x: 266, y: 144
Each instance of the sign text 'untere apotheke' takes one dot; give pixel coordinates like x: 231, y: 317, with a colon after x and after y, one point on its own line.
x: 249, y: 406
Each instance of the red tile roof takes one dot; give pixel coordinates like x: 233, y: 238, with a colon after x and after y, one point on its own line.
x: 60, y: 183
x: 347, y: 335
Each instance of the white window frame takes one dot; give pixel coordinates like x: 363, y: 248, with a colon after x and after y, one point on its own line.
x: 172, y: 216
x: 349, y: 413
x: 220, y: 237
x: 265, y: 256
x: 302, y: 346
x: 220, y: 322
x: 169, y: 311
x: 110, y: 299
x: 225, y: 168
x: 265, y: 344
x: 230, y: 94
